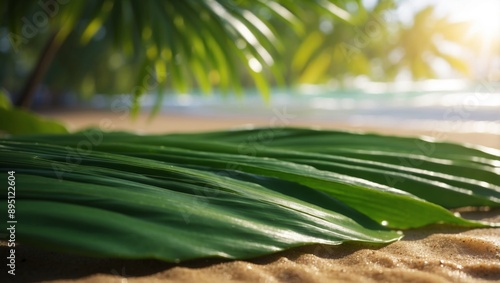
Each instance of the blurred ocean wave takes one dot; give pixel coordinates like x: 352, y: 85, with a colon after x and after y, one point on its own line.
x: 446, y: 106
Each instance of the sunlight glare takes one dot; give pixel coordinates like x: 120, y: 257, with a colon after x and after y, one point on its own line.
x: 484, y: 17
x: 255, y: 65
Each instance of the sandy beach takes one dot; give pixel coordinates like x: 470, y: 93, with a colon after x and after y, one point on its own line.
x: 182, y: 122
x: 430, y: 254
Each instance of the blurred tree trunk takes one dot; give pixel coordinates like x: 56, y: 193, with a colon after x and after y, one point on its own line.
x: 44, y: 60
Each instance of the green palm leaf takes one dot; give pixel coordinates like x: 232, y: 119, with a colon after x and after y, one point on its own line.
x: 169, y: 212
x: 235, y: 194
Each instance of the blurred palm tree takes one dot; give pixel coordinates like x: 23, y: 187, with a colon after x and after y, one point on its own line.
x: 210, y: 43
x: 375, y: 43
x: 429, y: 38
x: 135, y: 47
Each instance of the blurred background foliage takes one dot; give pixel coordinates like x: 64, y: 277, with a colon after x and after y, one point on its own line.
x: 51, y: 47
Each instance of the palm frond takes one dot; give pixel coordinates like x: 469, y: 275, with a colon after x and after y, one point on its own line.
x: 237, y: 194
x: 191, y: 38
